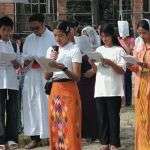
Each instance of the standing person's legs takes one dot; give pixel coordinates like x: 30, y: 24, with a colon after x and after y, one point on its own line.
x: 103, y: 122
x: 2, y: 116
x: 36, y: 138
x: 128, y: 87
x: 12, y: 118
x: 34, y: 142
x: 113, y: 107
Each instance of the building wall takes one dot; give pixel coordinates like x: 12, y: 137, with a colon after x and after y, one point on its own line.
x: 137, y: 12
x: 62, y: 12
x: 7, y: 9
x: 61, y: 9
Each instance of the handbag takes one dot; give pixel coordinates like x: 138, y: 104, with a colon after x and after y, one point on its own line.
x: 48, y: 87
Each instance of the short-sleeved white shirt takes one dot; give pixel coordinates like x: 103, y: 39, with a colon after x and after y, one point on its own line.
x: 67, y: 55
x: 108, y: 82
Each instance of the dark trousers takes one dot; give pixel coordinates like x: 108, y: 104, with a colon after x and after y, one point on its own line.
x: 8, y: 115
x: 128, y: 87
x: 36, y: 138
x: 108, y: 113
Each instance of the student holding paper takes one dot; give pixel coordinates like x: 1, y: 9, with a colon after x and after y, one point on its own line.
x: 109, y: 89
x: 64, y: 101
x: 8, y: 89
x: 142, y: 88
x: 35, y: 103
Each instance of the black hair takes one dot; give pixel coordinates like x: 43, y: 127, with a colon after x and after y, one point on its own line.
x: 17, y: 37
x: 64, y: 26
x: 37, y: 17
x: 144, y: 24
x: 74, y: 24
x: 48, y: 27
x: 6, y: 21
x: 108, y: 29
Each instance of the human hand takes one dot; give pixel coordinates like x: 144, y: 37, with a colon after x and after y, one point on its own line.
x: 143, y: 65
x: 27, y: 62
x: 16, y: 65
x: 88, y: 74
x: 107, y: 62
x: 54, y: 55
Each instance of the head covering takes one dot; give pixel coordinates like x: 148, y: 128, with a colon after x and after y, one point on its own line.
x: 83, y: 43
x: 92, y: 35
x: 123, y: 27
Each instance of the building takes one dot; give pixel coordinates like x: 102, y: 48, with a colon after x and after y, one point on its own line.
x: 85, y: 11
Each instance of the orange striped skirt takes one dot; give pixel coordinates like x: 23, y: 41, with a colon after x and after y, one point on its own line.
x: 142, y: 112
x: 65, y: 116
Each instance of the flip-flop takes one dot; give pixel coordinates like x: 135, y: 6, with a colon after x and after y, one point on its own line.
x: 12, y: 145
x: 2, y: 147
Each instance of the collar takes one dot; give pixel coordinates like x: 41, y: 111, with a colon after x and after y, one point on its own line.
x: 43, y: 34
x: 67, y: 46
x: 6, y: 42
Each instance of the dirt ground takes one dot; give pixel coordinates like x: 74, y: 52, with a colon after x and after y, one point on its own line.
x: 127, y: 133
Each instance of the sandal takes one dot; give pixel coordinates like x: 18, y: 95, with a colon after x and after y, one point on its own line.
x: 2, y: 147
x: 12, y: 145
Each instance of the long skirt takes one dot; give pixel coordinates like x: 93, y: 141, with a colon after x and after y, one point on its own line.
x: 142, y: 110
x: 65, y: 116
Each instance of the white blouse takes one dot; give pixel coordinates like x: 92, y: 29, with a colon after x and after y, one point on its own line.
x: 8, y: 77
x: 108, y: 82
x: 67, y: 55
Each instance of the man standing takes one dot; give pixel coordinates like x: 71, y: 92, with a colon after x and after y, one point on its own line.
x: 35, y: 111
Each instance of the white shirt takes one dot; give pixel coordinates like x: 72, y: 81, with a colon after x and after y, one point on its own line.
x: 8, y: 78
x: 108, y: 82
x: 68, y: 54
x: 37, y: 45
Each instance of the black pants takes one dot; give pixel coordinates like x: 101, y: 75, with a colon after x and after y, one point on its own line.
x: 8, y: 116
x: 36, y: 138
x: 128, y: 87
x: 108, y: 113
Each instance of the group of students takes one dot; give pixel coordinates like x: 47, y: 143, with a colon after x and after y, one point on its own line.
x: 85, y: 97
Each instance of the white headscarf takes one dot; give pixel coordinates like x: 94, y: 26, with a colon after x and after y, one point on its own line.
x: 92, y: 35
x: 83, y: 43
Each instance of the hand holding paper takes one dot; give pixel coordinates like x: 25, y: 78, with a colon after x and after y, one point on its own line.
x: 48, y: 65
x: 95, y: 56
x: 130, y: 59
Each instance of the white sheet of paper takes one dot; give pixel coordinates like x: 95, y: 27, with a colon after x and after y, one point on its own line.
x: 47, y: 64
x: 123, y: 27
x: 130, y: 59
x: 7, y: 57
x: 97, y: 57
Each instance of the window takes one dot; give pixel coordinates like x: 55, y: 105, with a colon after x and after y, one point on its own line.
x: 34, y: 6
x: 146, y: 5
x: 24, y: 11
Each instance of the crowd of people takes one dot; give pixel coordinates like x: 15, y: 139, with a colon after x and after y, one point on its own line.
x: 81, y: 100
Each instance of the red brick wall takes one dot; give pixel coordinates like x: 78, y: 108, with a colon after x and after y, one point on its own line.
x: 137, y: 12
x: 6, y: 9
x: 61, y: 9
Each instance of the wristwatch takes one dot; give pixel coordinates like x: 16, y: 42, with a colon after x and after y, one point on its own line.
x: 65, y: 69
